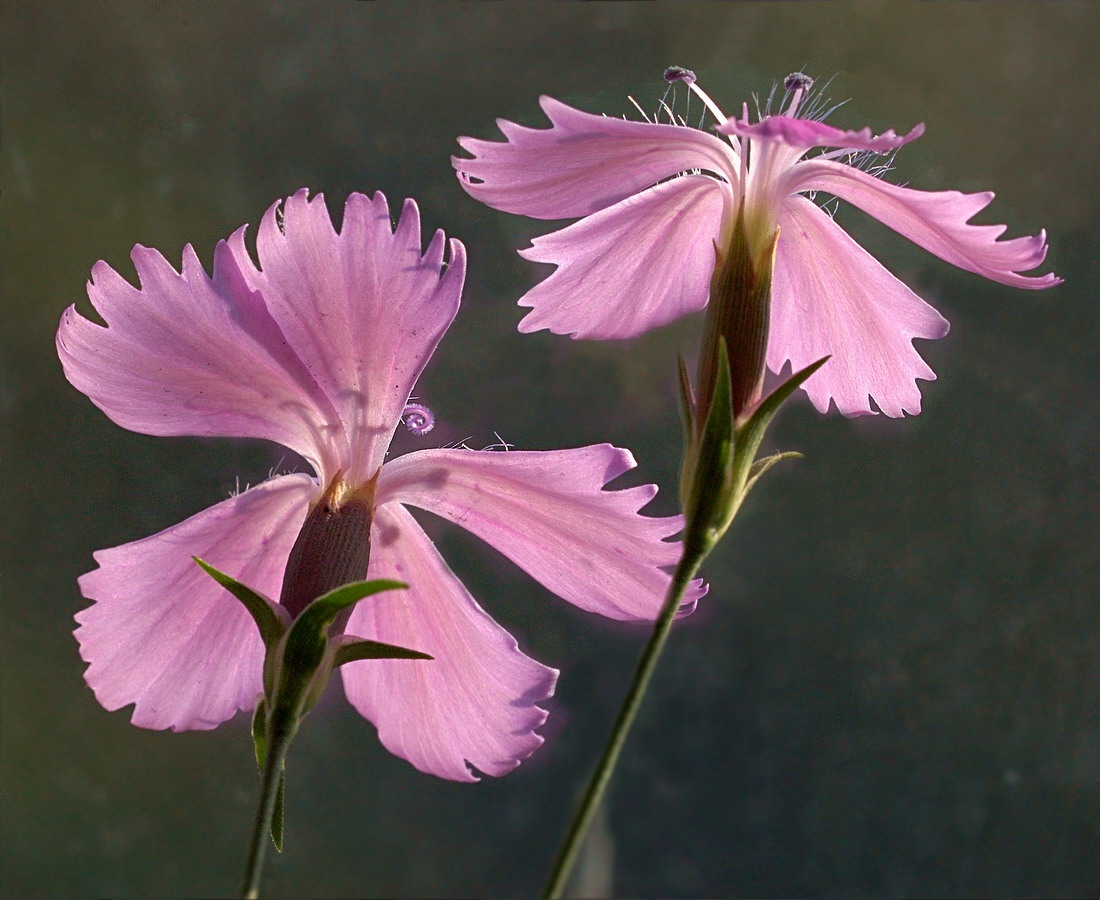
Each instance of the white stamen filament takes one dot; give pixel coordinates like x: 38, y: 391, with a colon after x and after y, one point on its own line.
x: 834, y: 154
x: 792, y: 108
x: 672, y: 118
x: 745, y: 156
x: 710, y: 104
x: 721, y: 117
x: 638, y: 107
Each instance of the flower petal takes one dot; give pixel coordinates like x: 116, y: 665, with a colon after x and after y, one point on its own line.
x: 583, y: 163
x: 187, y: 354
x: 546, y: 511
x: 474, y: 703
x: 807, y: 133
x: 637, y: 265
x: 936, y: 221
x: 362, y: 308
x: 829, y: 296
x: 165, y: 636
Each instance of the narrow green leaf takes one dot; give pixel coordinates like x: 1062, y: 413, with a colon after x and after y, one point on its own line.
x: 762, y: 465
x: 710, y: 494
x: 277, y: 815
x: 259, y: 732
x: 305, y: 643
x: 300, y: 670
x: 359, y: 648
x: 259, y: 741
x: 270, y: 618
x: 751, y: 432
x: 753, y: 429
x: 325, y: 608
x: 687, y: 399
x: 687, y: 419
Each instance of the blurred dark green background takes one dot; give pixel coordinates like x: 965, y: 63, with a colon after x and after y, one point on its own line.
x: 894, y: 685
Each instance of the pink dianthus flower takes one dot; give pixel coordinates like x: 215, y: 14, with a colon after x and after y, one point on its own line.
x: 318, y: 349
x: 655, y: 199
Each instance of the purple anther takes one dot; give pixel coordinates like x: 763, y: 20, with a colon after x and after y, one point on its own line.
x: 418, y: 418
x: 798, y: 81
x: 679, y: 73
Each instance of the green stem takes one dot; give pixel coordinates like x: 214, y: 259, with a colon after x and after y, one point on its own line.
x: 597, y: 785
x: 274, y: 762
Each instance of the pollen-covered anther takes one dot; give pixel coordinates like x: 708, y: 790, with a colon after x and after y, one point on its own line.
x: 798, y: 81
x: 418, y: 418
x: 674, y: 74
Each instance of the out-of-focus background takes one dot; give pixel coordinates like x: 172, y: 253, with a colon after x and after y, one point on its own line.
x: 893, y: 687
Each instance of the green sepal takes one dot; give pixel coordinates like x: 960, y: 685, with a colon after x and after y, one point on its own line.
x: 751, y: 432
x: 305, y: 657
x: 259, y: 731
x: 271, y: 618
x: 762, y: 465
x: 351, y: 649
x: 687, y: 419
x: 710, y: 494
x: 687, y: 400
x: 296, y: 675
x: 307, y: 639
x: 259, y: 740
x: 723, y: 466
x: 277, y: 815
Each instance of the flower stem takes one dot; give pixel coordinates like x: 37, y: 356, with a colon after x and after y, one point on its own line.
x: 597, y: 785
x: 261, y: 830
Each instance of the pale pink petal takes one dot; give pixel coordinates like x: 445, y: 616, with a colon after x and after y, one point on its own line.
x: 548, y: 513
x: 474, y: 704
x: 187, y: 354
x: 830, y: 296
x: 935, y: 220
x: 627, y: 269
x: 807, y: 133
x: 583, y: 163
x: 163, y: 635
x: 362, y: 308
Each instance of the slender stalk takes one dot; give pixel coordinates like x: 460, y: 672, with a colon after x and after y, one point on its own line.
x: 597, y: 785
x: 261, y: 829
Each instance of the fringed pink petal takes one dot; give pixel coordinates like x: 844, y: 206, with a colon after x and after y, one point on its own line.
x: 632, y: 267
x: 474, y: 703
x: 163, y: 635
x: 831, y: 297
x: 547, y: 511
x: 187, y: 354
x: 935, y: 220
x: 583, y: 163
x: 807, y: 133
x: 363, y: 308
